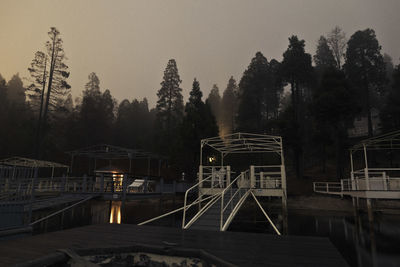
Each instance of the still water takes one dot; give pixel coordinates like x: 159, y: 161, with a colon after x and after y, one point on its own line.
x: 361, y: 243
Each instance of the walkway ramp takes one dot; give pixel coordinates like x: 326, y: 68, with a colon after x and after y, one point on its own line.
x: 213, y: 217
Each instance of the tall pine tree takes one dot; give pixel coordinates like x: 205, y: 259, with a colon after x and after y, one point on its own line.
x: 169, y: 109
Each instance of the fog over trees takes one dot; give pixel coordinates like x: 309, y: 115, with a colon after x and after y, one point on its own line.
x: 310, y: 100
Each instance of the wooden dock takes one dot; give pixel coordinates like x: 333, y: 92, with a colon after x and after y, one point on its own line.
x: 242, y: 249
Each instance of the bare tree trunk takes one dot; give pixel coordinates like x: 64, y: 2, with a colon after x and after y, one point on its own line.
x: 46, y: 107
x: 38, y: 128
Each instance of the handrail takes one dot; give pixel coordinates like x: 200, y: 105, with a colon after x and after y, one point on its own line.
x: 203, y: 210
x: 236, y: 209
x: 185, y: 200
x: 173, y: 211
x: 62, y: 210
x: 223, y: 195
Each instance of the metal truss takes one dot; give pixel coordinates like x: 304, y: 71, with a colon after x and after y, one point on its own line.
x: 31, y: 163
x: 244, y: 143
x: 105, y: 151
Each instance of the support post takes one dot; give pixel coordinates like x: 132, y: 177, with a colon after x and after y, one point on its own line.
x: 72, y: 163
x: 161, y: 185
x: 366, y: 168
x: 212, y: 176
x: 385, y: 181
x: 102, y: 183
x: 200, y: 176
x: 145, y: 184
x: 228, y: 176
x: 252, y: 177
x: 64, y: 183
x: 341, y: 188
x: 124, y: 189
x: 353, y: 184
x: 366, y: 178
x: 84, y: 183
x: 35, y: 176
x: 148, y: 166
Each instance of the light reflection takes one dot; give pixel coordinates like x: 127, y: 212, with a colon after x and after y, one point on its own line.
x: 115, y: 213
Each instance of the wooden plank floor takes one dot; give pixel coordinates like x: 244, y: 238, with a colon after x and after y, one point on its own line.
x: 242, y: 249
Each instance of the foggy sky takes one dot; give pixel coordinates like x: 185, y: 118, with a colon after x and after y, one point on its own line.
x: 128, y: 43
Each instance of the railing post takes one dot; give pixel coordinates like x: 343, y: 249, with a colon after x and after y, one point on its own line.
x: 212, y: 176
x: 313, y: 186
x: 35, y: 176
x: 102, y: 183
x: 84, y: 184
x: 341, y: 188
x: 145, y: 184
x: 252, y: 177
x: 353, y: 184
x: 385, y: 181
x: 228, y: 176
x: 366, y: 178
x: 327, y: 187
x: 161, y: 185
x: 262, y: 180
x: 200, y: 176
x: 123, y: 198
x: 174, y: 186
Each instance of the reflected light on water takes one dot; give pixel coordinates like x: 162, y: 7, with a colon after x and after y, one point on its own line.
x: 115, y: 213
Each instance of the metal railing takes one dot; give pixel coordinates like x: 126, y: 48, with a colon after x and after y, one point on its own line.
x: 211, y: 199
x: 327, y: 187
x: 219, y: 176
x: 237, y: 189
x: 267, y: 177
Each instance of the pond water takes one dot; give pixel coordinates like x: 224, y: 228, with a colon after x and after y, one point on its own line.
x: 361, y: 243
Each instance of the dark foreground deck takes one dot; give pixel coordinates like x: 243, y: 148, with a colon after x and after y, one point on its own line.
x: 242, y: 249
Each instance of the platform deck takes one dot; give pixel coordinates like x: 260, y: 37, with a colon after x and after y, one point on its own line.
x: 242, y: 249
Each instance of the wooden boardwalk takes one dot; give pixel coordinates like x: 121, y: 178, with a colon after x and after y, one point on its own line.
x: 242, y: 249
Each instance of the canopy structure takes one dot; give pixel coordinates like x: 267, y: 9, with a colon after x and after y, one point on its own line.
x: 105, y: 151
x: 30, y: 163
x: 243, y: 143
x: 110, y: 152
x: 386, y: 141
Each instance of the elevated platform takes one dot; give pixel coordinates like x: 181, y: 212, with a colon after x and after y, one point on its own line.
x: 240, y: 249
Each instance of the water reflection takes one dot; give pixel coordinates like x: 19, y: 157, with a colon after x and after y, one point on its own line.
x: 115, y: 212
x: 361, y: 241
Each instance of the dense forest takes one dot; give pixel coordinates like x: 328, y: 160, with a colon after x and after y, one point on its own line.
x: 310, y: 100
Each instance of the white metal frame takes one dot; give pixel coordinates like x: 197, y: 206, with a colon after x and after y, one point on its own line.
x: 368, y: 181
